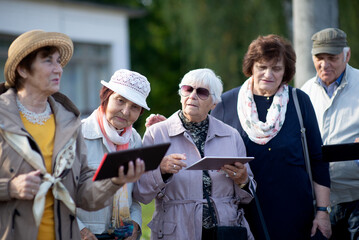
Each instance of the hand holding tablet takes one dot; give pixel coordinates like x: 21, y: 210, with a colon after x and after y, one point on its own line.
x: 151, y: 155
x: 215, y: 163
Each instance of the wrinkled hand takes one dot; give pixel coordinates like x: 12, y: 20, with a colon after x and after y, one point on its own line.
x: 133, y: 173
x: 86, y: 234
x: 154, y: 118
x: 238, y: 173
x: 25, y: 186
x: 134, y: 232
x: 172, y: 163
x: 322, y: 223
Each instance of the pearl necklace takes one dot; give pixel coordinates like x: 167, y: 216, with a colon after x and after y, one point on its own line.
x: 35, y: 118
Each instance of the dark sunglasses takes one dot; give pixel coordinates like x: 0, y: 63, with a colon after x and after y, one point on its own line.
x: 202, y: 93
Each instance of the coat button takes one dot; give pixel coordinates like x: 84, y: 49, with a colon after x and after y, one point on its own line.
x: 11, y: 170
x: 269, y: 149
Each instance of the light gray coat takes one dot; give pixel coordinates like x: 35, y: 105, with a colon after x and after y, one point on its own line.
x: 338, y: 120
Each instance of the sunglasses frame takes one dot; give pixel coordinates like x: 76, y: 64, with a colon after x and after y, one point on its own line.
x: 204, y: 97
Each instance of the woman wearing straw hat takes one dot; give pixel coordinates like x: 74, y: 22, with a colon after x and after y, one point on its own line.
x: 107, y: 129
x: 44, y: 174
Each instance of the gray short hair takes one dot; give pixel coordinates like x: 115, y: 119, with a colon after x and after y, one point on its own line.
x: 205, y: 77
x: 345, y: 51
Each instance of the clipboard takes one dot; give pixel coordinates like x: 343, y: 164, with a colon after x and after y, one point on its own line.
x: 215, y: 163
x: 340, y: 152
x: 151, y: 155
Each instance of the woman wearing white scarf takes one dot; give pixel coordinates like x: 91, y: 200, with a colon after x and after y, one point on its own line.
x: 109, y: 129
x: 263, y: 112
x: 44, y: 173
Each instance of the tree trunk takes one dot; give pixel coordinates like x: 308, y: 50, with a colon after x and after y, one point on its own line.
x: 310, y: 16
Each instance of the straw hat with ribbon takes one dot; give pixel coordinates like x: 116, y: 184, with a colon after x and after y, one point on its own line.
x: 30, y: 41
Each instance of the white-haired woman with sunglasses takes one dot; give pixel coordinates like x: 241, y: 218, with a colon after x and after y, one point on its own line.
x: 182, y: 211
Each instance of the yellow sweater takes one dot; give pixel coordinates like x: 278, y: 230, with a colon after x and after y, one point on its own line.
x: 44, y: 136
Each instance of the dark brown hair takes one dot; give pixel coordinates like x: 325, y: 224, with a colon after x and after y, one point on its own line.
x: 27, y: 61
x: 267, y: 48
x: 105, y: 94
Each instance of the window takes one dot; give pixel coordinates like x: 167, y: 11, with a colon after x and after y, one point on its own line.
x: 82, y: 75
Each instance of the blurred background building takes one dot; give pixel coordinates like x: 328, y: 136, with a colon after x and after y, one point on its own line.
x: 100, y: 34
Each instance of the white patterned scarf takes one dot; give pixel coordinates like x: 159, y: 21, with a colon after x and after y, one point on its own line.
x: 261, y: 132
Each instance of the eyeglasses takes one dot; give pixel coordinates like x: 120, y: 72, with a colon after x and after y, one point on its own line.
x: 202, y: 93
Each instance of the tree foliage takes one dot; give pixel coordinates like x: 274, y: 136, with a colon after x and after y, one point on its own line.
x: 177, y: 36
x: 348, y: 20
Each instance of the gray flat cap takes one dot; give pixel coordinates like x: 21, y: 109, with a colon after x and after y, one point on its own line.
x: 329, y: 40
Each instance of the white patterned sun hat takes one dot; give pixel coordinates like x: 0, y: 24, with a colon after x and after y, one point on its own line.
x: 130, y: 85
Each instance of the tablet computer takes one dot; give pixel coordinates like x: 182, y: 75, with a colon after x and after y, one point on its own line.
x: 340, y: 152
x: 215, y: 163
x: 151, y: 155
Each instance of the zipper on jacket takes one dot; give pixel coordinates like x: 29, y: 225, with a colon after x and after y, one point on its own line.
x: 16, y: 213
x: 59, y: 217
x: 72, y: 218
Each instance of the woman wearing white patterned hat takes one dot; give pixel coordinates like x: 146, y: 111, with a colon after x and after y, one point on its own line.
x: 44, y: 173
x: 107, y: 129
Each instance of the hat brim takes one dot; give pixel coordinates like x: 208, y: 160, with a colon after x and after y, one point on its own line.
x: 328, y: 50
x: 127, y: 93
x: 31, y: 41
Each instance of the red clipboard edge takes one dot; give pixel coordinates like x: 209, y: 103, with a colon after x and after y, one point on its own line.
x: 99, y: 167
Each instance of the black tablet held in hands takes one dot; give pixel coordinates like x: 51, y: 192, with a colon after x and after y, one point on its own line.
x: 340, y: 152
x: 151, y: 155
x: 215, y: 163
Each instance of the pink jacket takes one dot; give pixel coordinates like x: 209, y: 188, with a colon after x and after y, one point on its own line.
x: 178, y: 213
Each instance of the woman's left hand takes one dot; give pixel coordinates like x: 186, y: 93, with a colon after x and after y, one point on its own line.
x: 237, y: 172
x: 322, y: 223
x: 154, y: 118
x: 133, y: 173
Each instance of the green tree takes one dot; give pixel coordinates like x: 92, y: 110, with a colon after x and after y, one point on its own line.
x: 348, y: 19
x: 178, y: 36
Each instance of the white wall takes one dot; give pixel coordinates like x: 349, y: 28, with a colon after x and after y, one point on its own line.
x: 89, y: 24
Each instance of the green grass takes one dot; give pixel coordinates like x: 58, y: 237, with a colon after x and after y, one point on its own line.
x: 147, y: 212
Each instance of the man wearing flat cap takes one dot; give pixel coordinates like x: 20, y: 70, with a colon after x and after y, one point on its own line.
x: 334, y: 92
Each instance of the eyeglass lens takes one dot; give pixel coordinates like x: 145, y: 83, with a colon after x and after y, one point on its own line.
x: 202, y: 93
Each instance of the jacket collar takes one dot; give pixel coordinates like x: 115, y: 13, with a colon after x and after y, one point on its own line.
x: 343, y: 82
x: 10, y: 117
x: 67, y: 119
x: 216, y: 127
x: 67, y: 116
x: 91, y: 129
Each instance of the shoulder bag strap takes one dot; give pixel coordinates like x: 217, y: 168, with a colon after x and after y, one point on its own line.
x: 304, y: 142
x: 260, y: 213
x: 265, y: 230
